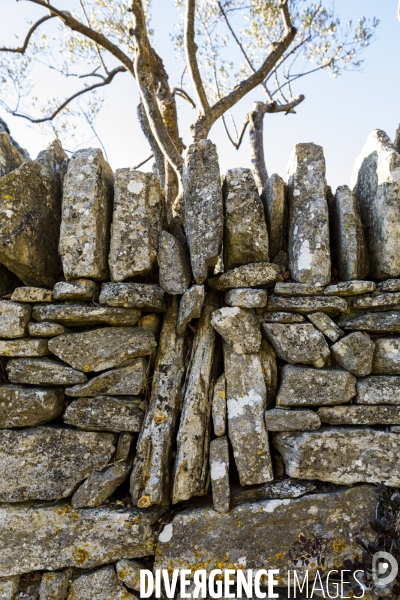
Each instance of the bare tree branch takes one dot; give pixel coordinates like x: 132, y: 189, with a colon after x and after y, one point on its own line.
x: 240, y: 134
x: 97, y: 46
x: 183, y: 94
x: 273, y: 107
x: 31, y: 31
x: 190, y: 50
x: 143, y: 161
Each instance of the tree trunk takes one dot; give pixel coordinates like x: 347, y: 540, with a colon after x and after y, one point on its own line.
x: 256, y: 121
x: 158, y: 155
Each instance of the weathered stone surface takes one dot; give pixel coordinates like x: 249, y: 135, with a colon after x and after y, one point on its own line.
x: 57, y: 536
x: 354, y: 353
x: 99, y: 585
x: 378, y: 390
x: 81, y: 314
x: 386, y: 359
x: 29, y: 586
x: 190, y: 306
x: 303, y: 386
x: 219, y: 473
x: 10, y: 158
x: 377, y: 302
x: 202, y: 196
x: 133, y: 295
x: 218, y: 408
x: 309, y: 253
x: 102, y: 349
x: 31, y: 294
x: 13, y: 319
x: 124, y: 381
x: 350, y: 288
x: 239, y: 328
x: 342, y: 456
x: 376, y: 185
x: 278, y: 419
x: 151, y: 474
x: 174, y: 265
x: 42, y: 371
x: 326, y: 325
x: 297, y: 343
x: 247, y: 298
x: 286, y: 488
x: 105, y: 413
x: 123, y: 447
x: 128, y: 571
x: 54, y: 585
x: 274, y: 198
x: 193, y: 439
x: 30, y: 215
x: 8, y: 281
x: 281, y: 522
x: 28, y: 347
x: 100, y: 485
x: 46, y: 329
x: 86, y: 215
x: 282, y: 317
x: 47, y: 463
x: 360, y: 415
x: 247, y: 276
x: 379, y: 322
x: 84, y: 290
x: 246, y: 403
x: 390, y: 285
x: 297, y: 289
x: 270, y: 371
x: 9, y: 585
x: 330, y: 305
x: 282, y: 261
x: 245, y: 229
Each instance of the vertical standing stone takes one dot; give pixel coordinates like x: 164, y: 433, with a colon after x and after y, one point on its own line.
x: 219, y: 471
x: 376, y: 179
x: 202, y: 197
x: 10, y: 158
x: 309, y: 253
x: 245, y: 230
x: 274, y: 198
x: 174, y: 265
x: 219, y: 406
x: 136, y: 224
x: 86, y: 215
x: 270, y: 371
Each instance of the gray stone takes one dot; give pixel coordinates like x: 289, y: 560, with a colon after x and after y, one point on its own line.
x: 248, y: 276
x: 326, y: 326
x: 13, y: 319
x: 298, y: 343
x: 174, y: 266
x: 354, y: 353
x: 390, y: 285
x: 377, y: 302
x: 102, y: 349
x: 128, y: 571
x: 100, y: 485
x: 86, y: 215
x: 309, y: 253
x: 247, y: 298
x: 144, y: 296
x: 239, y: 329
x: 105, y: 413
x: 8, y: 281
x: 341, y: 455
x: 4, y: 128
x: 219, y: 473
x: 99, y: 585
x: 286, y: 488
x: 10, y: 158
x: 81, y: 314
x: 270, y: 371
x: 47, y: 463
x: 46, y: 330
x: 9, y: 585
x: 386, y: 359
x: 24, y: 347
x: 202, y: 198
x: 245, y: 229
x: 30, y: 208
x: 278, y: 419
x: 378, y: 390
x: 42, y: 371
x: 84, y: 290
x: 304, y: 305
x: 124, y: 381
x: 376, y: 185
x: 281, y: 317
x: 218, y: 408
x: 31, y: 294
x: 360, y: 415
x: 350, y: 288
x: 123, y: 447
x: 274, y: 198
x: 246, y: 402
x: 304, y: 386
x: 297, y: 289
x: 395, y: 429
x: 379, y: 322
x: 54, y: 585
x: 190, y: 307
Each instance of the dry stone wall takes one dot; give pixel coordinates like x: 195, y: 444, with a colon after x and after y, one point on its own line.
x: 199, y: 396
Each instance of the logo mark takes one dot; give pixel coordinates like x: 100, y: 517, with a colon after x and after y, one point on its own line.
x: 384, y: 568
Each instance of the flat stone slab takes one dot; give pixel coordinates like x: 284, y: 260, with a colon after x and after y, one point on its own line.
x: 297, y: 289
x: 144, y: 296
x: 73, y: 315
x: 278, y: 490
x: 341, y: 455
x: 278, y: 419
x: 28, y: 407
x: 239, y: 329
x: 376, y: 302
x: 386, y: 359
x: 326, y: 326
x: 390, y: 285
x: 379, y: 322
x: 247, y: 298
x: 84, y: 290
x: 190, y: 307
x: 360, y: 415
x: 378, y: 390
x: 350, y: 288
x: 304, y: 305
x: 354, y: 353
x: 105, y: 413
x: 125, y: 381
x: 100, y: 485
x: 13, y: 319
x: 281, y: 317
x: 24, y: 347
x: 248, y: 276
x: 297, y: 343
x: 46, y: 329
x: 31, y: 294
x: 97, y: 585
x: 42, y: 371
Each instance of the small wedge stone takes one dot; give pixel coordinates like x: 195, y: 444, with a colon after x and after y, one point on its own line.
x: 390, y: 285
x: 308, y: 304
x: 298, y: 343
x: 360, y: 415
x: 247, y: 298
x: 31, y: 294
x: 123, y: 447
x: 54, y: 585
x: 13, y: 319
x: 248, y: 276
x: 326, y: 326
x: 297, y: 289
x: 219, y: 406
x: 378, y: 390
x: 270, y: 371
x: 239, y: 329
x: 386, y: 359
x: 105, y: 413
x: 73, y: 315
x: 174, y: 265
x: 100, y: 485
x: 350, y: 288
x: 99, y: 585
x: 128, y: 571
x: 379, y: 322
x: 29, y: 407
x: 46, y: 330
x: 355, y: 353
x: 10, y: 159
x: 190, y: 307
x: 278, y: 419
x: 42, y: 371
x: 144, y: 296
x: 274, y: 199
x: 24, y: 347
x: 282, y: 317
x: 84, y: 290
x: 219, y: 473
x: 125, y: 381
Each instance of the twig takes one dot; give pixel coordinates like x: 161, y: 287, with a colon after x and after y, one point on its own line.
x: 145, y: 160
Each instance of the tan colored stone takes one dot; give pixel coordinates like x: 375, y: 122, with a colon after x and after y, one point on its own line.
x: 106, y: 413
x: 304, y: 305
x: 326, y: 326
x: 298, y: 343
x: 274, y: 198
x: 99, y: 585
x: 46, y: 330
x: 100, y: 485
x: 239, y: 328
x: 124, y: 381
x: 219, y: 406
x: 278, y: 419
x: 219, y: 473
x: 256, y: 275
x: 13, y: 319
x: 83, y: 290
x: 133, y: 295
x: 73, y: 315
x: 386, y: 359
x: 24, y: 347
x: 354, y: 353
x: 174, y: 265
x: 190, y: 306
x: 10, y: 158
x: 31, y: 294
x: 247, y: 298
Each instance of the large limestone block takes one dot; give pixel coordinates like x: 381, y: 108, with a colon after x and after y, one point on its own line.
x: 331, y: 305
x: 136, y: 224
x: 239, y: 328
x: 360, y: 415
x: 124, y: 381
x: 102, y: 349
x: 174, y: 266
x: 297, y: 343
x: 247, y: 276
x: 202, y: 198
x: 379, y: 322
x: 99, y: 585
x: 386, y: 359
x: 86, y: 215
x: 274, y: 198
x: 219, y: 473
x: 378, y: 390
x: 133, y: 295
x: 13, y: 319
x: 73, y: 315
x: 341, y: 455
x: 355, y: 353
x: 30, y: 215
x: 10, y: 158
x: 100, y: 485
x: 24, y: 347
x: 47, y: 463
x: 42, y: 371
x: 245, y: 229
x: 376, y: 180
x: 309, y: 253
x: 105, y: 413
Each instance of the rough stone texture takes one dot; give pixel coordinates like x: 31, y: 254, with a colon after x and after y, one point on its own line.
x: 239, y: 329
x: 99, y: 585
x: 190, y: 307
x: 390, y: 285
x: 30, y: 215
x: 379, y: 322
x: 81, y: 314
x: 298, y: 343
x: 57, y: 536
x: 278, y: 419
x: 360, y: 415
x: 151, y: 474
x: 376, y: 185
x: 47, y: 463
x: 386, y: 359
x: 246, y: 403
x: 326, y: 326
x: 309, y: 253
x: 10, y: 158
x: 307, y: 304
x: 354, y: 353
x: 282, y: 317
x: 29, y: 587
x: 84, y: 290
x: 102, y: 349
x: 202, y: 197
x: 123, y: 447
x: 270, y: 371
x: 128, y: 571
x: 274, y: 198
x: 350, y: 243
x: 86, y: 215
x: 46, y: 329
x: 245, y: 229
x: 31, y: 294
x: 105, y: 413
x: 219, y: 473
x: 377, y: 302
x: 8, y: 281
x: 378, y: 390
x: 124, y: 381
x: 42, y: 371
x: 248, y: 276
x: 350, y: 288
x: 133, y: 295
x: 54, y: 585
x: 297, y: 289
x: 24, y: 347
x: 342, y: 456
x: 13, y: 319
x: 288, y: 488
x: 218, y: 408
x: 174, y: 265
x: 100, y: 485
x: 9, y: 585
x: 247, y: 298
x: 304, y: 386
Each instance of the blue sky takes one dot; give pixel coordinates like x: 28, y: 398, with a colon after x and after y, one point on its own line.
x: 338, y: 113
